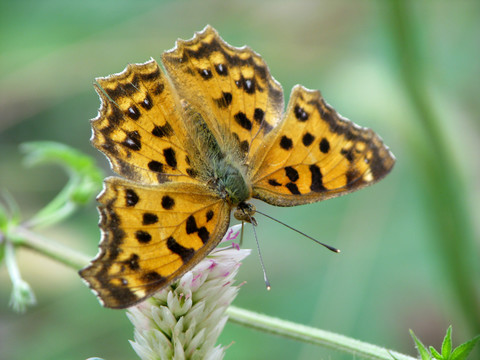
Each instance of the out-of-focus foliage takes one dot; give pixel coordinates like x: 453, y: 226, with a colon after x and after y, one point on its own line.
x: 391, y: 274
x: 461, y: 352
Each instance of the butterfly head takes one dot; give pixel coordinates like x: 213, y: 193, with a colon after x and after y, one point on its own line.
x: 245, y: 212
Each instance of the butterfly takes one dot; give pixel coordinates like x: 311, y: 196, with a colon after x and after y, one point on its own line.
x: 196, y: 141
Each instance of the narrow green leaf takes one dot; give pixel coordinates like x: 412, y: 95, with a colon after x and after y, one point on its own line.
x: 3, y: 218
x: 12, y: 209
x: 2, y: 247
x: 39, y: 152
x: 85, y: 179
x: 447, y: 343
x: 422, y: 350
x: 462, y: 351
x: 436, y: 354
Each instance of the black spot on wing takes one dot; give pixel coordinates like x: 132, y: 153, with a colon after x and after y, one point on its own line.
x: 317, y: 182
x: 243, y: 121
x: 286, y: 143
x: 209, y: 215
x: 221, y: 69
x: 152, y: 278
x: 149, y: 219
x: 225, y: 100
x: 132, y: 262
x: 167, y: 202
x: 132, y: 140
x: 259, y: 115
x: 161, y: 131
x: 308, y: 139
x: 244, y: 146
x: 348, y: 153
x: 300, y: 113
x: 324, y: 145
x: 203, y: 234
x: 291, y: 173
x: 192, y: 173
x: 185, y: 253
x: 293, y: 188
x: 191, y: 225
x: 115, y: 93
x: 131, y: 197
x: 205, y: 73
x: 147, y: 103
x: 155, y: 166
x: 274, y: 182
x: 133, y: 112
x: 248, y: 85
x: 143, y: 237
x: 158, y: 89
x: 170, y: 157
x: 154, y: 75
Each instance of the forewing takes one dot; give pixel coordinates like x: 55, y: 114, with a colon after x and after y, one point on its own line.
x: 315, y: 154
x: 152, y: 235
x: 139, y: 126
x: 230, y: 87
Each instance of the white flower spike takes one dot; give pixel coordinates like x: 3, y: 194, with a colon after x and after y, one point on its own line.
x: 184, y: 320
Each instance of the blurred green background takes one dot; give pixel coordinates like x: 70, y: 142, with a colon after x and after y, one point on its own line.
x: 410, y: 244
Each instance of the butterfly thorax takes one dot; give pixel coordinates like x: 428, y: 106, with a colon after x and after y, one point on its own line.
x: 223, y: 169
x: 229, y: 180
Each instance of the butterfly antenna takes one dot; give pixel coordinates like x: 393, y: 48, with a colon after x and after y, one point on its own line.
x: 265, y: 277
x: 331, y: 248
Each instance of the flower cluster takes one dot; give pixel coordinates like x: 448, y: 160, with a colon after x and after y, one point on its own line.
x: 184, y: 320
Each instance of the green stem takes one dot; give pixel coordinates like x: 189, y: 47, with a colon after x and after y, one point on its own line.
x: 47, y: 247
x: 77, y: 260
x: 11, y: 264
x: 449, y: 210
x: 311, y: 335
x: 60, y: 208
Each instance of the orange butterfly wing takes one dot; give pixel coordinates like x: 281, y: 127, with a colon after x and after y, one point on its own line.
x: 314, y: 154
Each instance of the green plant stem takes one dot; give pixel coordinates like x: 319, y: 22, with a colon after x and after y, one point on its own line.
x: 11, y: 263
x: 444, y: 186
x: 47, y: 247
x: 311, y: 335
x: 77, y: 260
x: 60, y: 208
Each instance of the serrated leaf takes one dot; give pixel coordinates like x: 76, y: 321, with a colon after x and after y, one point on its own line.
x: 422, y: 350
x: 436, y: 354
x: 462, y: 351
x: 447, y: 343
